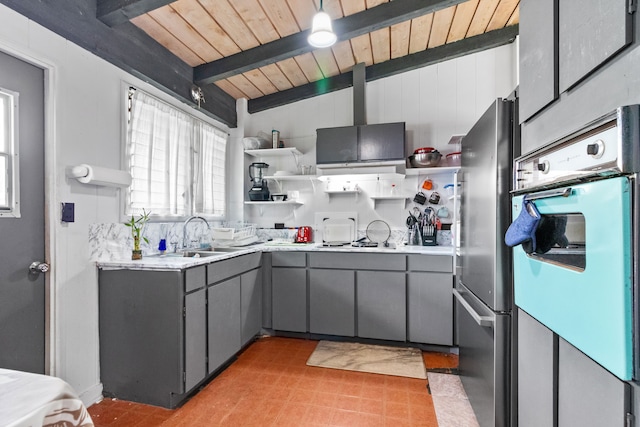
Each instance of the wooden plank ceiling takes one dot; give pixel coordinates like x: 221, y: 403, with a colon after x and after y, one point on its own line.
x: 205, y: 31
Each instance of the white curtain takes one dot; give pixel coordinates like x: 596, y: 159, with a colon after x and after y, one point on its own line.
x: 173, y: 159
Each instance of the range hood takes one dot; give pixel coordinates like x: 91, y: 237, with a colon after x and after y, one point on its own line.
x: 361, y: 148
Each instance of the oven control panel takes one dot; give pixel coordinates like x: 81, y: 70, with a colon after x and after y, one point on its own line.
x: 579, y: 157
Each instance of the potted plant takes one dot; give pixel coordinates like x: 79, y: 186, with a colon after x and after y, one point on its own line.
x: 136, y: 225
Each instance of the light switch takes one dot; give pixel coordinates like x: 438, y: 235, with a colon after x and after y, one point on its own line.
x: 68, y: 214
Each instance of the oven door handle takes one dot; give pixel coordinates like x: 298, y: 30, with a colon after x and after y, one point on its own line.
x: 484, y: 321
x: 565, y: 192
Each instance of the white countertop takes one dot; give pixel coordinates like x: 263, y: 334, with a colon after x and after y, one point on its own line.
x: 172, y: 262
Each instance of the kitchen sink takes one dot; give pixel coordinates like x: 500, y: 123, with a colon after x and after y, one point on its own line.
x: 226, y: 249
x: 198, y: 254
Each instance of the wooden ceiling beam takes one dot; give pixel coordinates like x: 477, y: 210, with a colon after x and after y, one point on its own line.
x: 389, y: 68
x: 128, y: 48
x: 346, y: 28
x: 116, y: 12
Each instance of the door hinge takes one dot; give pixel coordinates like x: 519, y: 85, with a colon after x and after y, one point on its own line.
x: 184, y: 376
x: 184, y: 311
x: 632, y: 5
x: 630, y: 420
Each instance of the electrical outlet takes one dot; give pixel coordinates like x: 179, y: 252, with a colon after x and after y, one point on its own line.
x: 68, y: 212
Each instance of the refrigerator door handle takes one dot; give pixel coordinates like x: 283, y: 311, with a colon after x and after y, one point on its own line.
x: 484, y: 321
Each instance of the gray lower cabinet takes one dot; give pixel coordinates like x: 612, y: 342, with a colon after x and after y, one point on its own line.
x: 430, y: 299
x: 223, y: 321
x: 289, y: 294
x: 162, y: 333
x: 151, y: 334
x: 558, y: 385
x: 332, y: 302
x: 537, y: 355
x: 588, y: 395
x: 289, y: 291
x: 369, y: 295
x: 195, y: 338
x: 430, y: 308
x: 381, y: 306
x: 250, y: 304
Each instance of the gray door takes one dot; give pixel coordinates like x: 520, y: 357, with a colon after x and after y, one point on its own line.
x: 22, y: 295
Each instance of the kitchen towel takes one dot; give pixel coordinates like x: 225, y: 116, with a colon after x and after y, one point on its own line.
x: 523, y: 229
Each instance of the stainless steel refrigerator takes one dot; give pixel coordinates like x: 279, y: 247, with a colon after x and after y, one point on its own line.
x: 484, y: 289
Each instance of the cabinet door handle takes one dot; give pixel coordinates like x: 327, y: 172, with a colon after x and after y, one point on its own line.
x: 484, y: 321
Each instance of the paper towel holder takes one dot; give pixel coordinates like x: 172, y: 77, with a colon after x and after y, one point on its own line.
x: 96, y: 175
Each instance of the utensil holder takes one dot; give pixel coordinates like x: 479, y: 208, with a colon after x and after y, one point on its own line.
x: 430, y: 238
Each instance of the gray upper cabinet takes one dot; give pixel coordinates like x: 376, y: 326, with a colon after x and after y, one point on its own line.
x: 337, y: 145
x: 383, y: 141
x: 538, y: 55
x: 364, y: 143
x: 590, y: 33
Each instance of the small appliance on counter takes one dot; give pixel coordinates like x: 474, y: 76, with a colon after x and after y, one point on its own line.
x: 259, y: 190
x: 305, y: 235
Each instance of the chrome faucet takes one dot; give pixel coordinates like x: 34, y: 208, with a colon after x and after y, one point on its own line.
x: 184, y: 228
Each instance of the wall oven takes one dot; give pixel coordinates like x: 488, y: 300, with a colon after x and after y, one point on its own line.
x: 581, y: 278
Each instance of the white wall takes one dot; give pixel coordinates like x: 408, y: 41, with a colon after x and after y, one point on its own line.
x: 85, y: 128
x: 436, y: 102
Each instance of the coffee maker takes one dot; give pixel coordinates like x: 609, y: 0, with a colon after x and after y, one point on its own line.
x: 259, y: 190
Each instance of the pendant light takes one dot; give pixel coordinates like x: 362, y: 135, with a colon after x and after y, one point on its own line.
x: 322, y: 34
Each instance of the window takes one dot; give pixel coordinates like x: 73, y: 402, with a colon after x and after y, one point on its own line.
x: 177, y: 162
x: 9, y: 188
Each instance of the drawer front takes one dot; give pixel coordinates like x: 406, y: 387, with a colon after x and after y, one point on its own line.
x: 358, y: 261
x: 221, y: 270
x: 195, y: 278
x: 436, y: 263
x: 289, y: 259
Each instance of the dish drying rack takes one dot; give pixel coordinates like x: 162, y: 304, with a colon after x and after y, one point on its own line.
x: 234, y: 234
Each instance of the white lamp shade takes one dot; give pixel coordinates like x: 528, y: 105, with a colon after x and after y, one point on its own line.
x: 321, y: 32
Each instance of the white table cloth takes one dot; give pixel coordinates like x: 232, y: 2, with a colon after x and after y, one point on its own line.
x: 38, y: 400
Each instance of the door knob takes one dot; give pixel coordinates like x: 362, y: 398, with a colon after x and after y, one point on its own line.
x: 38, y: 267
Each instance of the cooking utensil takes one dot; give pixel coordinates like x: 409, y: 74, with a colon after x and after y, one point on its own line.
x: 453, y: 159
x: 424, y: 160
x: 443, y: 212
x: 278, y: 197
x: 422, y: 150
x: 429, y: 228
x: 378, y: 232
x: 420, y: 198
x: 434, y: 199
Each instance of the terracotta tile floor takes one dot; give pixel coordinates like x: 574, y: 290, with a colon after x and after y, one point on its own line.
x: 270, y: 385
